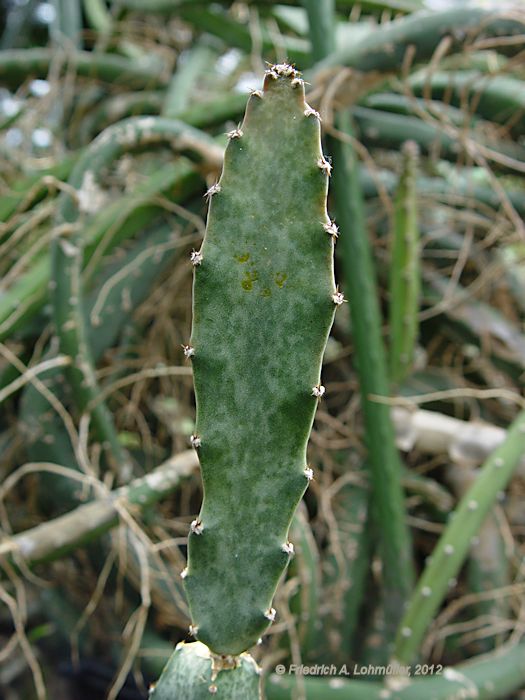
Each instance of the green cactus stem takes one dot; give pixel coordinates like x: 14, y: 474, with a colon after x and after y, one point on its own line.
x: 460, y: 188
x: 17, y: 64
x: 488, y: 566
x: 167, y: 6
x: 390, y: 130
x: 322, y: 28
x: 305, y: 603
x: 415, y: 106
x: 264, y: 302
x: 98, y: 16
x: 201, y: 114
x: 67, y: 256
x: 345, y: 570
x: 498, y: 98
x: 194, y: 673
x: 405, y: 276
x: 66, y: 30
x: 178, y: 94
x: 387, y: 498
x: 125, y: 217
x: 385, y: 47
x: 455, y: 542
x: 45, y: 435
x: 493, y: 676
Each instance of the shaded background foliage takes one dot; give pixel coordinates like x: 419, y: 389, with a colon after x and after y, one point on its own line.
x: 107, y: 614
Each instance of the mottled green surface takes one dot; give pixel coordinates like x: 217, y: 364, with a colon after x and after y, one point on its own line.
x: 189, y: 675
x: 263, y: 308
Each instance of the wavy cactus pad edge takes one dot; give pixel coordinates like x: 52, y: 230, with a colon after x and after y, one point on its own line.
x: 264, y: 302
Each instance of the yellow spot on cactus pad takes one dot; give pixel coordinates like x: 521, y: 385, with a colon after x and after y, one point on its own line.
x: 280, y: 279
x: 242, y: 258
x: 248, y: 280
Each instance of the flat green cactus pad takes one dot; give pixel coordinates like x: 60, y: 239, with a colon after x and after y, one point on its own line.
x: 264, y: 300
x: 193, y: 674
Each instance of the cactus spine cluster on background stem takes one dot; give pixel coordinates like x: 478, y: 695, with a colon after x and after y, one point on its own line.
x: 264, y: 302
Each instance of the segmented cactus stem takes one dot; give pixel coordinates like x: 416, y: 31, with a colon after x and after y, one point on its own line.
x: 262, y: 310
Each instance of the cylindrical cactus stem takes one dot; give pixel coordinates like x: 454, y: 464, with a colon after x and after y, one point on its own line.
x: 264, y: 302
x: 67, y: 256
x: 405, y: 276
x: 488, y: 565
x: 422, y: 32
x: 389, y: 130
x: 99, y: 17
x: 494, y: 676
x: 66, y: 29
x: 17, y: 64
x: 345, y: 569
x: 305, y: 566
x: 120, y: 289
x: 321, y: 19
x: 387, y: 497
x: 455, y: 542
x: 194, y: 673
x: 496, y: 97
x: 387, y: 500
x: 178, y: 94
